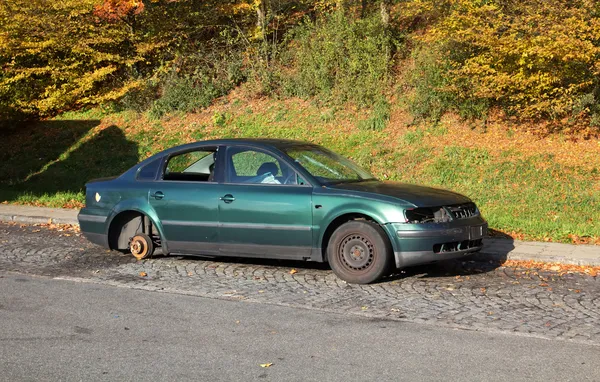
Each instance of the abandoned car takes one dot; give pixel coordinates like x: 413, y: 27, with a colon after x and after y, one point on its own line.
x: 278, y: 199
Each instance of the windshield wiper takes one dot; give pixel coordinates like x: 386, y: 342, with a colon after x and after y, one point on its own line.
x: 339, y: 181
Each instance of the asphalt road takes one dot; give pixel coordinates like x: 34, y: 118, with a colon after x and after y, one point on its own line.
x: 65, y: 330
x: 466, y: 294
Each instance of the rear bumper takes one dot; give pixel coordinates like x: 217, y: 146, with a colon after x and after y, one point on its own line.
x: 92, y: 226
x: 416, y: 244
x: 96, y: 238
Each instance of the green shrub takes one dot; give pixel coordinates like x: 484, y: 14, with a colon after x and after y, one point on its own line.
x: 196, y: 79
x: 340, y: 59
x: 436, y: 91
x: 139, y: 99
x: 187, y: 93
x: 379, y: 117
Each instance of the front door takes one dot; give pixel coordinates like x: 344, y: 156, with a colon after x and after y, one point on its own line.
x: 265, y: 210
x: 186, y: 201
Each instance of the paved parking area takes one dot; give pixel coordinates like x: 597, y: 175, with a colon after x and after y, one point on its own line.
x: 476, y: 295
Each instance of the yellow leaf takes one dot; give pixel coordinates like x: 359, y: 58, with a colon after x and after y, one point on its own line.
x: 143, y: 274
x: 266, y: 364
x: 293, y: 271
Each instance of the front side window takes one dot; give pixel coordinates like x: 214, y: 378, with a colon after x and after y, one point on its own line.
x: 327, y: 166
x: 197, y: 165
x: 252, y: 166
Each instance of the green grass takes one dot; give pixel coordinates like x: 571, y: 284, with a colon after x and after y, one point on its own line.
x: 48, y: 163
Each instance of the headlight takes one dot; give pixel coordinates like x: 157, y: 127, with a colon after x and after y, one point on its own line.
x: 442, y: 214
x: 427, y: 215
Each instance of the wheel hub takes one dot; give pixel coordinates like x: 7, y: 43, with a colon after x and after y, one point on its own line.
x: 136, y: 247
x: 356, y: 252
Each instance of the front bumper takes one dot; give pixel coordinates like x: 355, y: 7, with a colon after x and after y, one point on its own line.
x: 416, y: 244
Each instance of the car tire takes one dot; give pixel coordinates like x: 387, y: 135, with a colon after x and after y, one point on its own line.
x: 141, y: 246
x: 359, y: 252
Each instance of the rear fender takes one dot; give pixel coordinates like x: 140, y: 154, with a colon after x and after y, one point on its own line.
x: 142, y: 206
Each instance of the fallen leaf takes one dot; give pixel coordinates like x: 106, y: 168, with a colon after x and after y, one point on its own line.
x: 266, y: 364
x: 364, y: 307
x: 293, y: 271
x: 143, y: 274
x: 36, y: 230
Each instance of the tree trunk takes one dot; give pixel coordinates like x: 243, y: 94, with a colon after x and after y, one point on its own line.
x: 261, y: 15
x: 385, y: 12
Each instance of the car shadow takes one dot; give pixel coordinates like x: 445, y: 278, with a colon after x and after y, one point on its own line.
x: 47, y: 158
x: 299, y: 264
x: 492, y: 256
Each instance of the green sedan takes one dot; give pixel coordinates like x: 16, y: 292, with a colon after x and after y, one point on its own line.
x: 278, y: 199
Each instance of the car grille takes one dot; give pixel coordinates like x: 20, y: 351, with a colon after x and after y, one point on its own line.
x: 455, y: 246
x: 462, y: 211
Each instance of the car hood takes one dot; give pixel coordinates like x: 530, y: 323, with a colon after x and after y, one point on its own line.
x: 419, y: 196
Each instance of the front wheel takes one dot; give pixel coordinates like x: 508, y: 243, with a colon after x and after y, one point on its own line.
x: 359, y: 252
x: 141, y: 246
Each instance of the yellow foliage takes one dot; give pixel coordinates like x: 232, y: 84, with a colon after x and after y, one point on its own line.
x: 536, y: 58
x: 57, y: 55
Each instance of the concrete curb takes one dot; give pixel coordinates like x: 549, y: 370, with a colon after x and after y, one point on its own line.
x: 495, y: 249
x: 36, y: 215
x: 506, y: 249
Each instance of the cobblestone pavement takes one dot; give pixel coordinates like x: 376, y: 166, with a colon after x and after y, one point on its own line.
x: 476, y: 295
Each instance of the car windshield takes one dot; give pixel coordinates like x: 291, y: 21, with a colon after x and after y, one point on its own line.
x: 327, y: 166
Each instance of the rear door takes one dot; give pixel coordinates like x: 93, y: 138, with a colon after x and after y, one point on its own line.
x: 266, y: 208
x: 186, y: 199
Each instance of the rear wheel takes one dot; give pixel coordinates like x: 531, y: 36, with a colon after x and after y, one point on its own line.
x: 141, y: 246
x: 359, y: 252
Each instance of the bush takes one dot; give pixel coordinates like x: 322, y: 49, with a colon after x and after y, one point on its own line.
x: 185, y: 94
x: 379, y: 117
x: 436, y: 91
x: 340, y: 59
x: 139, y: 99
x: 196, y: 81
x: 536, y: 59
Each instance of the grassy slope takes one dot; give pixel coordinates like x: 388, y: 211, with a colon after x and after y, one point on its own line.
x: 528, y: 187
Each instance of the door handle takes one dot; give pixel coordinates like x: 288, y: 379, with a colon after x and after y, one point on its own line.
x: 227, y: 198
x: 158, y: 195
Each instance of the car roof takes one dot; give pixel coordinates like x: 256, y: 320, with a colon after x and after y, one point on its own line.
x: 280, y: 144
x: 255, y: 142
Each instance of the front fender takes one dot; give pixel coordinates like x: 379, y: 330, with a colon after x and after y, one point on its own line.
x: 382, y: 213
x: 142, y: 206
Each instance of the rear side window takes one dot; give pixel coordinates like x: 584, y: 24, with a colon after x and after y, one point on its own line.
x: 148, y: 172
x: 194, y: 166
